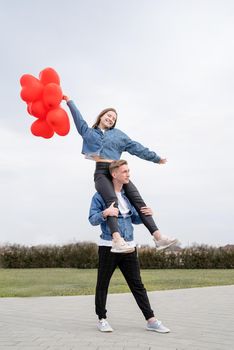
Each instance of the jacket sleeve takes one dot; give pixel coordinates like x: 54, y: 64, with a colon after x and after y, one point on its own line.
x: 80, y: 123
x: 137, y: 149
x: 95, y: 211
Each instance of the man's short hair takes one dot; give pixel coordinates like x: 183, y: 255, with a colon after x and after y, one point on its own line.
x: 116, y: 164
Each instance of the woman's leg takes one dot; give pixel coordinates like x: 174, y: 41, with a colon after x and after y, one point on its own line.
x: 105, y: 187
x: 161, y: 241
x: 135, y: 198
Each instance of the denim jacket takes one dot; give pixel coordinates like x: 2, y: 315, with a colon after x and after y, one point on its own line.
x: 124, y: 222
x: 111, y: 143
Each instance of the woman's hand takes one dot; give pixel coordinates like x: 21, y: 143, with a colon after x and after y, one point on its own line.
x: 66, y: 98
x: 146, y: 211
x: 162, y: 161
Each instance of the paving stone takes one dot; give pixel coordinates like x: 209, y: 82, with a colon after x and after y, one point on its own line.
x: 199, y: 319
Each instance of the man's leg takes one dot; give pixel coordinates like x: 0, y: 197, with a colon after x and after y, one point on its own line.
x: 106, y: 267
x: 129, y: 267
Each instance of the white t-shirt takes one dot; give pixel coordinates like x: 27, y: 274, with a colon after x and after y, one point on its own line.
x: 124, y: 209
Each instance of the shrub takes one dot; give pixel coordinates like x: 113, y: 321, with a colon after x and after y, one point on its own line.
x: 79, y: 255
x: 195, y: 257
x: 83, y: 255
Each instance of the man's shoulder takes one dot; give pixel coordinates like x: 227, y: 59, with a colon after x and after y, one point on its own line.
x: 97, y: 195
x: 97, y: 198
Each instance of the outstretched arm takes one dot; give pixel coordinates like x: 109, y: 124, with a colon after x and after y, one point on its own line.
x: 79, y: 121
x: 137, y: 149
x: 162, y: 161
x: 66, y: 98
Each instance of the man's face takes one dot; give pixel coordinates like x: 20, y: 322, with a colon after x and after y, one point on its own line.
x: 122, y: 174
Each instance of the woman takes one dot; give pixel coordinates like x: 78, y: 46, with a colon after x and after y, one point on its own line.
x: 103, y: 143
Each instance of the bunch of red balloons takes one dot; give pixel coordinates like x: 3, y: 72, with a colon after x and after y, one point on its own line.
x: 43, y: 97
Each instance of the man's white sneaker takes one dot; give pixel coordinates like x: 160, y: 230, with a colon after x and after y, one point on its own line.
x: 165, y: 242
x: 121, y: 247
x: 157, y: 326
x: 104, y: 326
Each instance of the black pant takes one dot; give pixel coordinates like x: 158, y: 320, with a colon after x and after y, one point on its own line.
x: 104, y: 185
x: 129, y: 266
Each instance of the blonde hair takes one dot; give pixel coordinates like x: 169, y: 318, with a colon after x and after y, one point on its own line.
x: 117, y: 164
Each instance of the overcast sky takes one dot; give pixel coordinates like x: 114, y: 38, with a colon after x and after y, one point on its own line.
x: 167, y: 67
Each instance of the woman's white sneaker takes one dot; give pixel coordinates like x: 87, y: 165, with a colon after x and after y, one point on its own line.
x: 165, y: 242
x: 121, y: 246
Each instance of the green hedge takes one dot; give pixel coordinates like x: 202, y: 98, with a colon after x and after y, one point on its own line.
x: 79, y: 255
x: 84, y: 255
x: 197, y: 257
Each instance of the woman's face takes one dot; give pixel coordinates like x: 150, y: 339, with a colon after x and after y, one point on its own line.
x: 107, y: 120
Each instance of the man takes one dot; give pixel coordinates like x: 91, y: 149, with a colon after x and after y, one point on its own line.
x: 127, y: 262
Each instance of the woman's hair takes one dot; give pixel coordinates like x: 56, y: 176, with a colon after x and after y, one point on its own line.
x: 101, y: 114
x: 117, y: 164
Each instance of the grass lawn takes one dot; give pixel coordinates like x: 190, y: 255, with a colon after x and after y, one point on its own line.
x: 51, y: 282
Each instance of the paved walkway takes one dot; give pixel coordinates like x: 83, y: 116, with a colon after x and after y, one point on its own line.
x: 199, y: 318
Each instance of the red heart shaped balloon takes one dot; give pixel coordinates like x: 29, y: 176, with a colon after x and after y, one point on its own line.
x: 29, y: 108
x: 42, y: 128
x: 32, y: 88
x: 58, y: 119
x: 49, y: 75
x: 52, y: 95
x: 38, y: 109
x: 43, y: 97
x: 28, y: 79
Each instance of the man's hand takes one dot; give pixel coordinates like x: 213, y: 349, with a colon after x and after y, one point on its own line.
x: 147, y: 211
x: 162, y: 161
x: 110, y: 211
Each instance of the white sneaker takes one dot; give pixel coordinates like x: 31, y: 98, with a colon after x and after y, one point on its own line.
x: 121, y: 247
x: 104, y: 326
x: 165, y: 242
x: 157, y: 326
